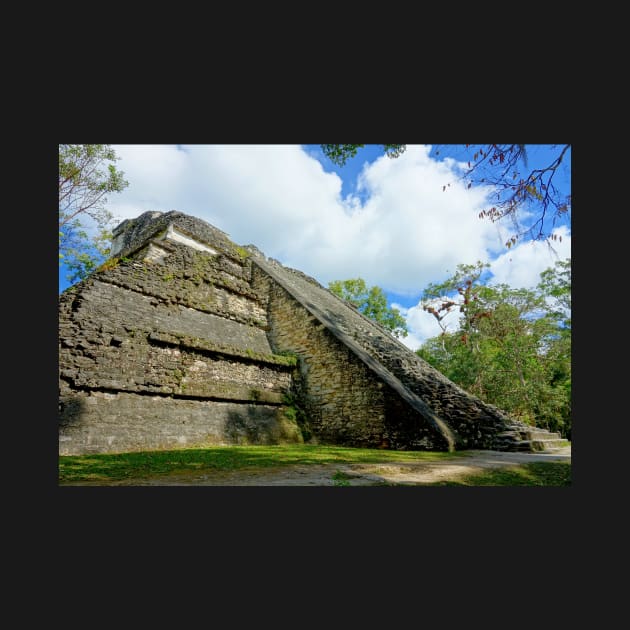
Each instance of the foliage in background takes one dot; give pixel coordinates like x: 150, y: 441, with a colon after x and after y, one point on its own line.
x: 510, y: 347
x: 372, y: 302
x: 85, y: 180
x: 503, y: 167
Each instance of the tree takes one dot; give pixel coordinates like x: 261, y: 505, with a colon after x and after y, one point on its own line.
x: 340, y: 153
x: 510, y: 347
x: 85, y: 180
x: 461, y: 293
x: 555, y: 285
x: 371, y: 302
x: 515, y: 187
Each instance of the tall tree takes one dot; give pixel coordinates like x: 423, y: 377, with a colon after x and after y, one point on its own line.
x: 372, y: 302
x: 504, y: 167
x: 86, y: 177
x: 511, y: 347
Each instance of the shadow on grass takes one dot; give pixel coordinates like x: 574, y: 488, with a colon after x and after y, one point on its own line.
x: 532, y: 474
x: 111, y: 466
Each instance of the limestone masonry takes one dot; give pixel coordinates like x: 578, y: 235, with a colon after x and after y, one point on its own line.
x: 185, y: 339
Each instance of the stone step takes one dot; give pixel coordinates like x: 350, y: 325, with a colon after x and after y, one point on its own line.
x: 526, y: 428
x: 522, y: 437
x: 519, y: 426
x: 548, y: 445
x: 514, y: 435
x: 542, y: 434
x: 523, y: 445
x: 533, y: 445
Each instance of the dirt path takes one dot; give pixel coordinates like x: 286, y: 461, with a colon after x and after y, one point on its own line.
x: 406, y: 473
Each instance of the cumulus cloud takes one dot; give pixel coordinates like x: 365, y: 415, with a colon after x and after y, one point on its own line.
x: 400, y: 231
x: 420, y: 324
x: 521, y: 266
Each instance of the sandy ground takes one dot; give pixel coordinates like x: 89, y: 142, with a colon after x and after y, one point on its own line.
x: 405, y: 473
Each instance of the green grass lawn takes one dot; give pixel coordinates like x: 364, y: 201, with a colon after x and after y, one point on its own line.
x: 533, y: 474
x: 104, y: 467
x: 117, y: 466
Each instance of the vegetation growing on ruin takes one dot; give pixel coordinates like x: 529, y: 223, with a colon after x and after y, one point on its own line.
x: 294, y: 411
x: 112, y: 263
x: 242, y: 252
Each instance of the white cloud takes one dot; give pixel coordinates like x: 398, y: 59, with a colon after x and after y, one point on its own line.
x: 521, y: 266
x: 422, y: 325
x: 407, y: 233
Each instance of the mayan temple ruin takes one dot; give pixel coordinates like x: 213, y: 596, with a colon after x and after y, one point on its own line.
x: 185, y: 339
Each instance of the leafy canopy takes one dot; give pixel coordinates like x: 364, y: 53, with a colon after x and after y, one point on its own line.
x: 85, y: 180
x: 510, y: 347
x: 372, y: 302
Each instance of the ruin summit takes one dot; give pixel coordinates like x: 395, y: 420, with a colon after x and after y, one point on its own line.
x: 185, y: 339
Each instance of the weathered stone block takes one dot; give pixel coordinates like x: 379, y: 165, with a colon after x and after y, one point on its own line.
x: 186, y: 339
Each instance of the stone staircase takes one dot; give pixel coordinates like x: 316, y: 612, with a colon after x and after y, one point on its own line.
x: 522, y: 437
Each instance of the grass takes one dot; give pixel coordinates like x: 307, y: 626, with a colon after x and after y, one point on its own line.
x: 340, y: 479
x: 116, y: 466
x: 533, y: 474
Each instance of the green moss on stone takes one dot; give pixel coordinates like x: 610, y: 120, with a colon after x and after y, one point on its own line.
x: 241, y: 252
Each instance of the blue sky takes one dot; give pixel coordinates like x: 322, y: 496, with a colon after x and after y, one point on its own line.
x: 385, y: 220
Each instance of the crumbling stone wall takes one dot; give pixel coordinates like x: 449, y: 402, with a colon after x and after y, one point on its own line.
x: 131, y: 234
x: 471, y: 422
x: 168, y: 354
x: 197, y: 280
x: 123, y: 422
x: 346, y: 401
x: 185, y: 339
